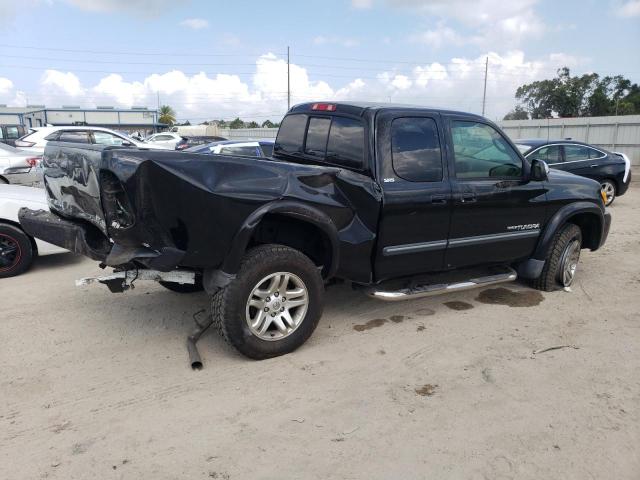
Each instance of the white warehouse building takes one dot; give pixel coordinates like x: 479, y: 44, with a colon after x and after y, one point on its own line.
x: 140, y: 119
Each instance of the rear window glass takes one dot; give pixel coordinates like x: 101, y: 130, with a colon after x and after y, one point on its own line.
x: 317, y: 134
x: 51, y: 136
x: 12, y: 132
x: 74, y: 137
x: 267, y: 148
x: 291, y: 134
x: 246, y: 151
x: 415, y: 149
x: 346, y: 142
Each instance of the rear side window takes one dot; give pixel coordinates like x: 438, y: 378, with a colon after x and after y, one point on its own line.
x: 51, y: 136
x: 317, y: 134
x: 12, y: 132
x: 346, y: 142
x: 593, y: 153
x: 415, y: 149
x: 550, y: 154
x: 74, y: 137
x: 291, y: 135
x: 576, y: 152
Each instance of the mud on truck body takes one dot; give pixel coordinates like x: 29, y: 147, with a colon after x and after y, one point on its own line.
x: 400, y: 201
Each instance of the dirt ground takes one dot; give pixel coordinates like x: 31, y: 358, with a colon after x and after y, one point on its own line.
x: 98, y: 385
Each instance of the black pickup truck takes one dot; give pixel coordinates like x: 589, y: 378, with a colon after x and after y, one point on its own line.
x: 400, y: 201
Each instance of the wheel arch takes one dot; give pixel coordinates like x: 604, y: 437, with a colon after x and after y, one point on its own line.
x: 302, y: 224
x: 588, y: 216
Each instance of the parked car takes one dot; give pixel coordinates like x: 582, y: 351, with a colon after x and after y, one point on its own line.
x: 611, y: 169
x: 18, y: 167
x: 260, y: 148
x: 38, y: 137
x: 165, y: 140
x: 10, y: 133
x: 17, y: 248
x: 188, y: 142
x: 401, y: 201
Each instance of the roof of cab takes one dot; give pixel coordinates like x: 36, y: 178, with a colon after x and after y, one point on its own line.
x: 359, y: 108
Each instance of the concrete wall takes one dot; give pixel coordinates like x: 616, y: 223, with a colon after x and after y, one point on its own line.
x: 620, y: 133
x: 248, y: 133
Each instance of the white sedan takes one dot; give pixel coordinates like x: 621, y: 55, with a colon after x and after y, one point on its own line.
x: 37, y: 138
x: 17, y: 249
x: 166, y: 140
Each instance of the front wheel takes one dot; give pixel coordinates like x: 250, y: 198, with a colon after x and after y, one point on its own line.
x: 609, y: 189
x: 273, y: 305
x: 562, y: 260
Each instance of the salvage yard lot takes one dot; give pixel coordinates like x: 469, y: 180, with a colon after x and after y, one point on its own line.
x: 95, y: 384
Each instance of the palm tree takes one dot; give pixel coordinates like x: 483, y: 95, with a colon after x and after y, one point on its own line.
x: 167, y: 115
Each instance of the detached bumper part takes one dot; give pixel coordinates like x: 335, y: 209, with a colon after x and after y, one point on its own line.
x: 76, y: 237
x: 121, y: 281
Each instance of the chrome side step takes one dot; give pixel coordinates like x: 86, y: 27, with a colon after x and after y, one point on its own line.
x: 426, y: 290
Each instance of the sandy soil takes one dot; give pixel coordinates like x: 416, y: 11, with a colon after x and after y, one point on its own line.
x: 97, y: 385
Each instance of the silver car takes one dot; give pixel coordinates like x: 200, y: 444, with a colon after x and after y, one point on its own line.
x: 18, y: 167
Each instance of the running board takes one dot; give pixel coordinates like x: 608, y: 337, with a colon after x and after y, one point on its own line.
x: 426, y: 290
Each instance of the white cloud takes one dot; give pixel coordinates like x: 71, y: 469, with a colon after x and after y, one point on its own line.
x: 6, y: 85
x: 455, y: 84
x: 57, y: 82
x: 494, y: 23
x: 361, y: 4
x: 630, y: 8
x: 195, y: 23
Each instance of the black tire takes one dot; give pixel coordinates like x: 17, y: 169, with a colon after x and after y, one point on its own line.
x: 184, y: 287
x: 549, y: 278
x: 229, y: 305
x: 16, y: 251
x: 611, y: 190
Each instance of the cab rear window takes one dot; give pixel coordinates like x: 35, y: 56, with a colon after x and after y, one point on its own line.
x: 332, y: 140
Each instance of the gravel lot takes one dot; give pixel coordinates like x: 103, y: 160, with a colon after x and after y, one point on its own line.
x: 97, y: 385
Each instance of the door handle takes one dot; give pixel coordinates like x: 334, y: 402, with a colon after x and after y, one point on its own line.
x: 468, y: 198
x: 594, y: 165
x: 439, y: 199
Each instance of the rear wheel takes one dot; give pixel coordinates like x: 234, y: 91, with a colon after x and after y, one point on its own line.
x: 562, y: 260
x: 273, y: 305
x: 609, y: 189
x: 16, y: 252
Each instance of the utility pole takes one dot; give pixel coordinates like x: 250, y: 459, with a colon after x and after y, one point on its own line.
x: 288, y: 81
x: 484, y: 95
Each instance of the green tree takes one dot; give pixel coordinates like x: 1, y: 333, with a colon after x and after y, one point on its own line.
x: 252, y: 125
x: 237, y: 123
x: 585, y: 95
x: 518, y: 113
x: 167, y: 115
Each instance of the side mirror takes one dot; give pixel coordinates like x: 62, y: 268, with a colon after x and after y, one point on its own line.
x: 127, y: 144
x: 539, y: 170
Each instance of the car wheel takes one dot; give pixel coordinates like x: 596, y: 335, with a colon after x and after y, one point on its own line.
x: 609, y: 189
x: 16, y: 252
x: 562, y: 260
x: 183, y: 287
x: 273, y: 305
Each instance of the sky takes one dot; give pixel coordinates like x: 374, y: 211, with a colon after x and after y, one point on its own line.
x: 214, y: 59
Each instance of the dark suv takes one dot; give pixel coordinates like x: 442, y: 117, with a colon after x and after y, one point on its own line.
x: 611, y: 169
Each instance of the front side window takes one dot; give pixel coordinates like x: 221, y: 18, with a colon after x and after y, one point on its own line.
x: 573, y: 153
x: 291, y: 135
x: 550, y: 154
x: 481, y: 152
x: 267, y: 149
x: 74, y: 137
x: 415, y: 149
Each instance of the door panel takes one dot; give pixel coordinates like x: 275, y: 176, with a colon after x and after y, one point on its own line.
x: 416, y: 207
x: 497, y: 214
